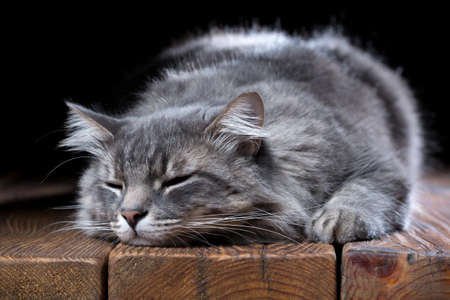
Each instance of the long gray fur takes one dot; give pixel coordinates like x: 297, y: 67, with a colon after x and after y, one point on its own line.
x: 338, y: 159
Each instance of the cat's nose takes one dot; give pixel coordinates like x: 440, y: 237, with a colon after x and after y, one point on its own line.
x: 133, y: 216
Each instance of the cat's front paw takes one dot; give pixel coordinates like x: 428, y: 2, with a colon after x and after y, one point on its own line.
x: 339, y: 225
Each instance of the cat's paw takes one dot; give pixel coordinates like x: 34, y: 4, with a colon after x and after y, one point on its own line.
x: 339, y: 225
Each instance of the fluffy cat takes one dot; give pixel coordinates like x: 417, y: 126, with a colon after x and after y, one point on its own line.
x: 253, y: 136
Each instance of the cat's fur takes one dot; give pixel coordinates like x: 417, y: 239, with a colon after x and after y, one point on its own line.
x: 332, y: 155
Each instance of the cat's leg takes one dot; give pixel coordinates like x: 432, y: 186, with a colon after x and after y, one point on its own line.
x: 363, y: 208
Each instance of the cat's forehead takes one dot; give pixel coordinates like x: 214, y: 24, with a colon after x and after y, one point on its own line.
x: 166, y: 147
x: 186, y: 162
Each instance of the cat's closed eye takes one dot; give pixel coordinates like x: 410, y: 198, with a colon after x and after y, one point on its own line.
x: 175, y: 181
x: 114, y: 185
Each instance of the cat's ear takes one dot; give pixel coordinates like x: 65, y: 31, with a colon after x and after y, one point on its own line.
x: 88, y: 130
x: 239, y: 127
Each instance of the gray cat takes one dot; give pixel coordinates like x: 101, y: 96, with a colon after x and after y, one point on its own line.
x: 253, y: 136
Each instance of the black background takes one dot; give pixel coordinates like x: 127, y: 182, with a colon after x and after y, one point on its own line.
x: 95, y: 56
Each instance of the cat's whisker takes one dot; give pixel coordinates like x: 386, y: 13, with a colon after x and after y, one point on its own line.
x: 61, y: 164
x: 198, y: 234
x: 263, y: 211
x: 243, y: 214
x: 267, y: 230
x: 81, y: 222
x: 217, y: 220
x: 195, y: 235
x: 282, y: 217
x: 189, y: 236
x: 48, y: 134
x: 178, y: 233
x: 54, y: 224
x: 214, y: 226
x: 230, y: 218
x: 233, y: 231
x: 96, y: 228
x: 220, y: 215
x: 71, y: 223
x: 199, y: 237
x: 239, y: 227
x: 172, y: 241
x: 68, y: 207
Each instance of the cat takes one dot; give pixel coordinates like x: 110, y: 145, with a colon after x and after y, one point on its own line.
x: 253, y: 136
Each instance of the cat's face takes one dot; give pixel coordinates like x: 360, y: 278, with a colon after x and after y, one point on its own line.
x: 172, y: 177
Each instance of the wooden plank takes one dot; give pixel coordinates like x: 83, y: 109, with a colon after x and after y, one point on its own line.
x: 278, y: 271
x: 408, y: 265
x: 36, y: 263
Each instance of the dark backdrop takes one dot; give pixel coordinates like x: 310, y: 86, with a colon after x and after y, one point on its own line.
x: 100, y: 56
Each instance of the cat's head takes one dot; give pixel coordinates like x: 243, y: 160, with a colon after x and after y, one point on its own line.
x: 173, y: 176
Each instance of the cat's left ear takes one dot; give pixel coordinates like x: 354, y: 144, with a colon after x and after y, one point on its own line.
x: 240, y: 125
x: 89, y: 131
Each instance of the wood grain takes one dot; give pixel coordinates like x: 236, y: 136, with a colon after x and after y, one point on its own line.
x: 36, y: 263
x: 408, y: 265
x: 278, y: 271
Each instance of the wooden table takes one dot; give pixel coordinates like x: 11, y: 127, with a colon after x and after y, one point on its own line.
x: 37, y: 261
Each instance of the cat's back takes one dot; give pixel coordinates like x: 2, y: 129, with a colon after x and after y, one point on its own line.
x: 212, y: 66
x: 322, y: 76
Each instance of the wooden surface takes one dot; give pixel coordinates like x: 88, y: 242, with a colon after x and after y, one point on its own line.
x: 410, y: 265
x: 278, y: 271
x: 38, y: 264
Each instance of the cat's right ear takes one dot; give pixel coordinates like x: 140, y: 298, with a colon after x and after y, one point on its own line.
x: 89, y: 131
